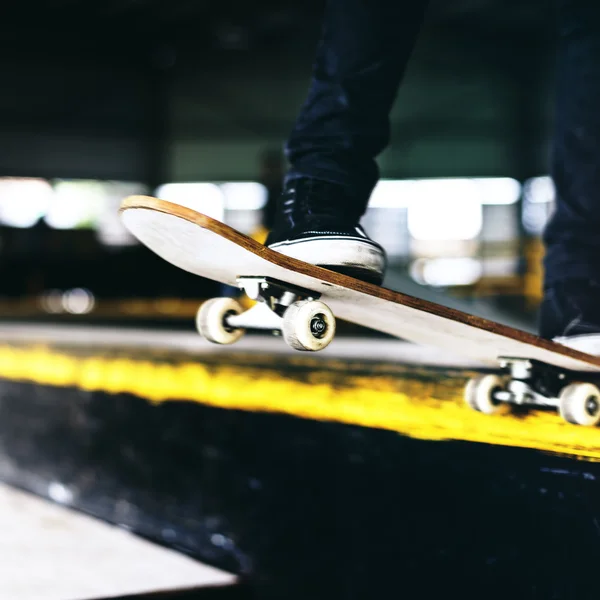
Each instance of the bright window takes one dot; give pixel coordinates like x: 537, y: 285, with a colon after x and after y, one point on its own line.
x: 23, y: 201
x: 206, y: 198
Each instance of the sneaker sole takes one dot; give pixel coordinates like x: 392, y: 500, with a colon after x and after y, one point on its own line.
x: 585, y: 342
x: 349, y: 256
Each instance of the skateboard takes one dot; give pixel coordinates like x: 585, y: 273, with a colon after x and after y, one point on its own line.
x: 301, y: 302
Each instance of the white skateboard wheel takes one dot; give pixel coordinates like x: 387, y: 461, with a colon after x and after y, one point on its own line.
x: 308, y: 325
x: 211, y: 320
x: 579, y: 403
x: 479, y: 394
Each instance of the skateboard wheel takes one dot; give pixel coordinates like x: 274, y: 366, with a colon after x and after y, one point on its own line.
x: 211, y: 320
x: 579, y: 403
x: 308, y: 325
x: 479, y: 394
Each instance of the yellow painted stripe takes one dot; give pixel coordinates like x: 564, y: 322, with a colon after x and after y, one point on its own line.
x: 420, y: 406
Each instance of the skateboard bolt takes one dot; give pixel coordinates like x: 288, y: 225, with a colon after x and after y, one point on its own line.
x: 318, y: 326
x: 226, y: 324
x: 494, y: 396
x: 591, y: 406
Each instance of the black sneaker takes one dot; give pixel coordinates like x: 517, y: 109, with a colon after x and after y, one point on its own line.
x: 318, y: 222
x: 570, y: 315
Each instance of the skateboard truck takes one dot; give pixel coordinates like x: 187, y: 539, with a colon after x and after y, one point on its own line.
x: 528, y: 382
x: 305, y: 322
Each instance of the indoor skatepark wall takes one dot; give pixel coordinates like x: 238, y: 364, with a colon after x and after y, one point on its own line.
x: 324, y: 477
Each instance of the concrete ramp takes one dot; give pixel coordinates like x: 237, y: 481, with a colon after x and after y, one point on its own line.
x: 358, y: 473
x: 52, y: 553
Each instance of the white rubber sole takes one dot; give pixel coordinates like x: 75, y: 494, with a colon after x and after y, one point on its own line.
x: 588, y: 343
x: 346, y: 253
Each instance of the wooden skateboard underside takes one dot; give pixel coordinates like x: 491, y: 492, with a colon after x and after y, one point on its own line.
x: 208, y: 248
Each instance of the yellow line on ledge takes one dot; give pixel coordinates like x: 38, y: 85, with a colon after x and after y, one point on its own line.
x: 418, y: 407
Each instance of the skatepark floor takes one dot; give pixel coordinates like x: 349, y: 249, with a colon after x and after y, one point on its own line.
x: 140, y: 340
x: 265, y: 432
x: 52, y: 553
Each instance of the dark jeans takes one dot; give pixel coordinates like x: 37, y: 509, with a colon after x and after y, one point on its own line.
x: 362, y: 56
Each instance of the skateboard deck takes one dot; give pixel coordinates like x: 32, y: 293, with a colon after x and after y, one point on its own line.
x: 208, y: 248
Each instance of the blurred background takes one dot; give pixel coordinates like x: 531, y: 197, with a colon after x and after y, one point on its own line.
x: 192, y: 100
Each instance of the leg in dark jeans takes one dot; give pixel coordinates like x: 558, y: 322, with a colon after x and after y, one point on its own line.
x: 573, y: 235
x: 572, y: 280
x: 344, y: 123
x: 342, y: 127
